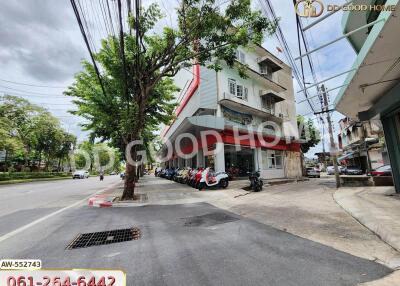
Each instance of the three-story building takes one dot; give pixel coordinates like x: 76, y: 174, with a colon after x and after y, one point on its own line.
x: 254, y: 117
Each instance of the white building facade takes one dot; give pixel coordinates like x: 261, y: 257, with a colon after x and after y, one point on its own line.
x: 250, y: 124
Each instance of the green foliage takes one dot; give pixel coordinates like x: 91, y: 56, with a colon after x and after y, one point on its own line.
x: 308, y: 133
x: 102, y: 157
x: 30, y: 133
x: 112, y: 117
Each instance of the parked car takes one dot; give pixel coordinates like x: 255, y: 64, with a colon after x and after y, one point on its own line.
x: 385, y: 170
x: 80, y: 174
x: 331, y: 170
x: 313, y: 173
x: 353, y: 170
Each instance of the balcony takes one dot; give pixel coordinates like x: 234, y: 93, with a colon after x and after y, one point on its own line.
x: 263, y: 79
x: 276, y: 97
x: 275, y: 65
x: 241, y: 105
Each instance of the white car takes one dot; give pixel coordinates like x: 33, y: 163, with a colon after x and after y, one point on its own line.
x: 80, y: 174
x: 331, y: 170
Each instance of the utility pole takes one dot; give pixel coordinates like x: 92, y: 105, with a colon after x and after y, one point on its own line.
x: 323, y: 143
x: 332, y: 140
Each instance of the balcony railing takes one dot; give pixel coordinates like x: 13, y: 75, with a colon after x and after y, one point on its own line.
x: 246, y: 106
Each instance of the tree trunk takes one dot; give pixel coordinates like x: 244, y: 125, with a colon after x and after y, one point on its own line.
x: 130, y: 179
x: 6, y: 161
x: 26, y: 152
x: 40, y: 160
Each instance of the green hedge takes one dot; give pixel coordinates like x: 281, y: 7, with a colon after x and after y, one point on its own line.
x: 31, y: 175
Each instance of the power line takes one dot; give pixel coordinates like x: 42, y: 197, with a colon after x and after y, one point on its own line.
x: 78, y: 18
x: 29, y: 84
x: 25, y: 91
x: 269, y: 12
x: 18, y: 94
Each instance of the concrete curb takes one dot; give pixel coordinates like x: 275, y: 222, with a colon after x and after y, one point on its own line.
x: 390, y: 280
x: 104, y: 198
x: 363, y: 215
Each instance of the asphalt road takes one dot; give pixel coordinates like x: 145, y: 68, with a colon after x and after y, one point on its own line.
x: 190, y: 244
x: 21, y: 204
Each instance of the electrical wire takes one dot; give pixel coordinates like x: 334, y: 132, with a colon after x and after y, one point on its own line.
x: 269, y: 12
x: 29, y: 84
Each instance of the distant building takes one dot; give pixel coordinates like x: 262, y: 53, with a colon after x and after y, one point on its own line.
x: 362, y: 144
x: 324, y: 158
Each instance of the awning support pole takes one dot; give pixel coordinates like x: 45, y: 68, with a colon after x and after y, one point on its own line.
x: 326, y: 16
x: 340, y: 38
x: 322, y: 81
x: 332, y: 89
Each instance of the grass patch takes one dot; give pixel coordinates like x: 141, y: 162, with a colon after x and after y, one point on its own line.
x: 7, y: 176
x: 32, y: 180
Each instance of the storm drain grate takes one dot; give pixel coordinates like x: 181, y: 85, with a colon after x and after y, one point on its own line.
x: 104, y: 237
x: 209, y: 219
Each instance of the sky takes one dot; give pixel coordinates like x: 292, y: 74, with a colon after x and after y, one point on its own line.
x: 41, y: 49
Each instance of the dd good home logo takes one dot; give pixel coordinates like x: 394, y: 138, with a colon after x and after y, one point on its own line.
x: 309, y: 8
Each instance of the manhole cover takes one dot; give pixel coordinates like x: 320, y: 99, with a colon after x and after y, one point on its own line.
x: 209, y: 219
x: 104, y: 237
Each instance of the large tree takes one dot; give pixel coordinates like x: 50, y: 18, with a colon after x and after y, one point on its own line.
x: 309, y: 134
x: 206, y: 33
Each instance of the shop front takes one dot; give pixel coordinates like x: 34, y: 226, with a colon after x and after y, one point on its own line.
x: 274, y: 158
x: 239, y: 163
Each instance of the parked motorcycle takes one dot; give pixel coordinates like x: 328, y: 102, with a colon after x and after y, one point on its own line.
x: 256, y: 182
x: 170, y: 173
x: 191, y: 177
x: 180, y: 177
x: 197, y: 178
x: 209, y: 178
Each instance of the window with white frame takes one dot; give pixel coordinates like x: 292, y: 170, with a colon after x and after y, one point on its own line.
x: 241, y: 57
x: 268, y: 103
x: 238, y: 90
x: 273, y: 159
x: 232, y: 86
x: 266, y: 71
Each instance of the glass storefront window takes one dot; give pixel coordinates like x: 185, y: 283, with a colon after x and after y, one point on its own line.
x: 238, y: 163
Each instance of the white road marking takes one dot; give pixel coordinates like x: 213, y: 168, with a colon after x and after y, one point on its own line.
x: 21, y: 229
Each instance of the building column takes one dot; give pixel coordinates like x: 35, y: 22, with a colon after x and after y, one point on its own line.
x: 258, y: 159
x: 219, y: 157
x: 391, y: 128
x: 200, y: 158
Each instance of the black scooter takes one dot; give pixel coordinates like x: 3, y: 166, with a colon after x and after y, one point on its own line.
x: 256, y: 182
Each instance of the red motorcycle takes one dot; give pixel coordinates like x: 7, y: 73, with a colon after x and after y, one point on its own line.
x: 197, y: 178
x: 190, y: 177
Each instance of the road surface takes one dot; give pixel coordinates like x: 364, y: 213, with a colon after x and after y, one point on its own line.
x: 21, y: 204
x: 182, y: 244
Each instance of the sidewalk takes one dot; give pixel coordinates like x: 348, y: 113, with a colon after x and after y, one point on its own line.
x: 306, y: 209
x: 377, y: 208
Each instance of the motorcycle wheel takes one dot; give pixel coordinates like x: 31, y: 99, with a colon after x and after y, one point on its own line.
x: 257, y: 187
x: 224, y: 183
x: 201, y: 186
